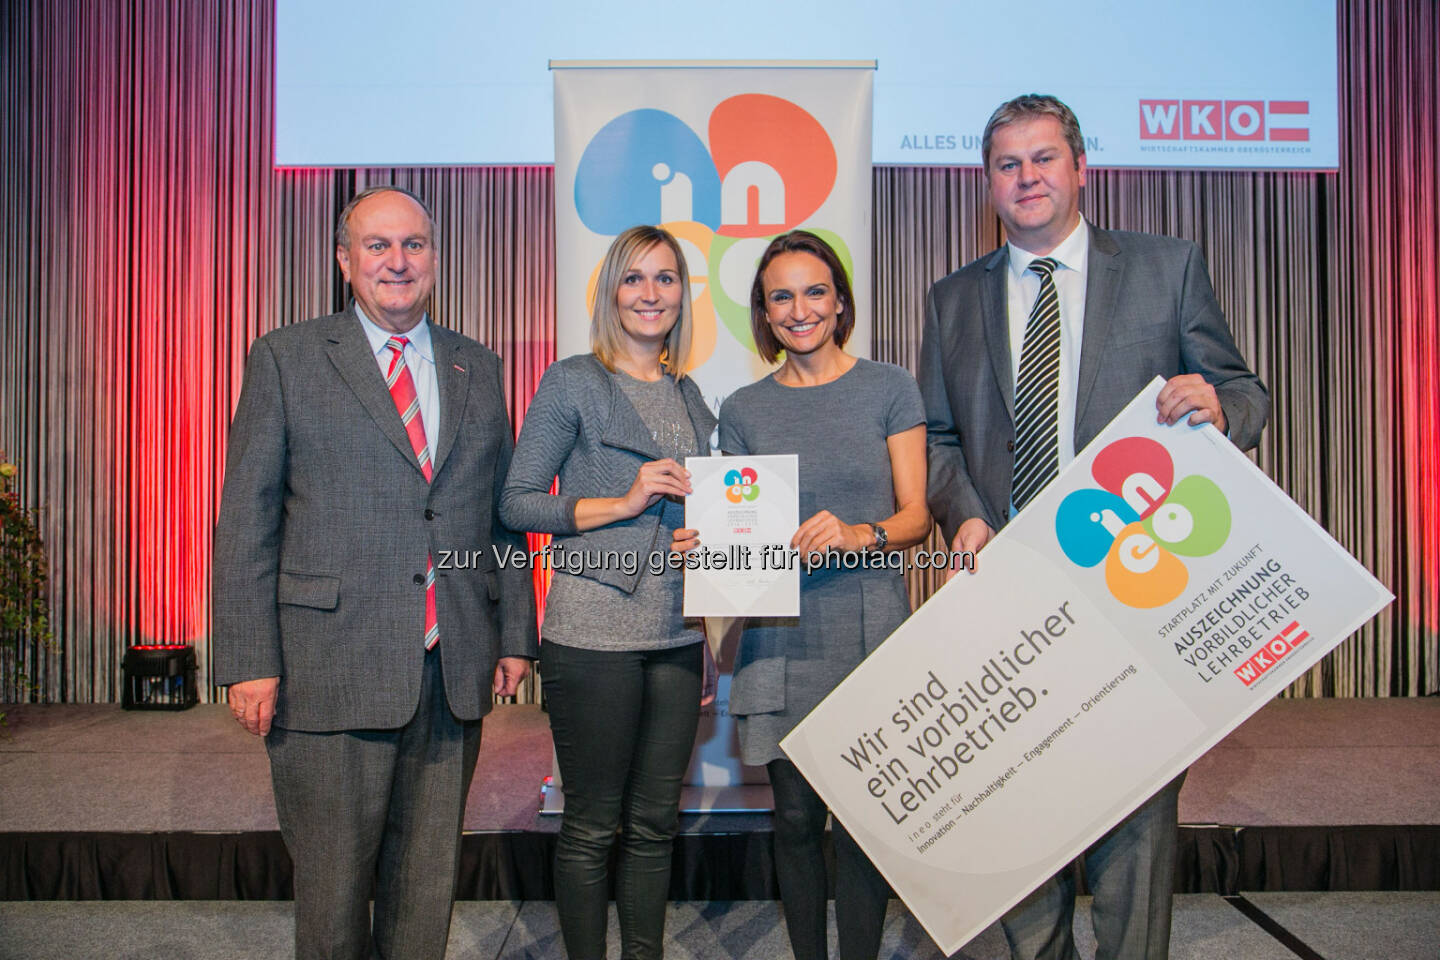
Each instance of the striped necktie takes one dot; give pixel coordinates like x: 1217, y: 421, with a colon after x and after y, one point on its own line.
x: 1037, y: 392
x: 407, y: 402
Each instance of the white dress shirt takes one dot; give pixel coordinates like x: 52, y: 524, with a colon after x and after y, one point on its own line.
x: 420, y: 359
x: 1022, y: 288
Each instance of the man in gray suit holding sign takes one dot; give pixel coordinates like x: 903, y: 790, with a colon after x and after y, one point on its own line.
x: 365, y: 445
x: 1028, y: 352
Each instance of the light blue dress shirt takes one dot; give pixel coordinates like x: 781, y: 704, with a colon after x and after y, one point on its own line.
x: 420, y: 358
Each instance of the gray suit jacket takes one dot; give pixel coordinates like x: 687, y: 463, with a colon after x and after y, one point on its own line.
x: 1149, y: 311
x: 326, y: 522
x: 581, y: 427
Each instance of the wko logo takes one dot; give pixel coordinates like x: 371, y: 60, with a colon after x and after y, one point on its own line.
x: 741, y: 485
x: 768, y: 166
x: 1276, y: 120
x: 1272, y: 653
x: 1139, y: 509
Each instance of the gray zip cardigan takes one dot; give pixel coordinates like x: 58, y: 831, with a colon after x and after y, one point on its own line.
x: 581, y: 427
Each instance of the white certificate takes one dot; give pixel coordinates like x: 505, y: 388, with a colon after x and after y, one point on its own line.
x: 746, y: 510
x: 1152, y: 597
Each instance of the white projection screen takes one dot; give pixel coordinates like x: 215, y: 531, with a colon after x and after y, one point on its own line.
x: 1227, y: 84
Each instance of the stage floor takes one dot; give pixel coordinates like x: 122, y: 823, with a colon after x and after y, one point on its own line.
x: 1328, y: 926
x: 102, y: 769
x: 104, y: 804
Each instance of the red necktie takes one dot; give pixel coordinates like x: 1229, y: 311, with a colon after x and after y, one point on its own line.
x: 402, y: 391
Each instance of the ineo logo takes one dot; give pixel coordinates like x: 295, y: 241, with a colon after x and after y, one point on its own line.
x: 767, y: 167
x: 1224, y: 120
x: 1140, y: 520
x: 740, y: 485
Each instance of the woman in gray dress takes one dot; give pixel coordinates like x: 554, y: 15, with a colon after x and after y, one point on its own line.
x: 622, y: 667
x: 859, y: 430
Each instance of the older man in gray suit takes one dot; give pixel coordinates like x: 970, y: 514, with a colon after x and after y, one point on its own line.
x: 1028, y: 353
x: 366, y: 446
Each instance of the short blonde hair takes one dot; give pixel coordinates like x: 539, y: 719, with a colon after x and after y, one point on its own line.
x: 1031, y: 106
x: 605, y: 327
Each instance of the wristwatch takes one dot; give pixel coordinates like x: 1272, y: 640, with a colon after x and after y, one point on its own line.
x: 881, y: 537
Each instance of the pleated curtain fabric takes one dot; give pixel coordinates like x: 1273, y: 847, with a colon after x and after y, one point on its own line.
x: 146, y: 240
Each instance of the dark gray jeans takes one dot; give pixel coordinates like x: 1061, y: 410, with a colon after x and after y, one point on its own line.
x: 861, y: 893
x: 624, y: 727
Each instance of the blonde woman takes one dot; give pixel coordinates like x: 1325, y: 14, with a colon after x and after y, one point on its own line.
x: 622, y: 667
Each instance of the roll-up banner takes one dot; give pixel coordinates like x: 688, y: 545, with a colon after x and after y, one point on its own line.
x: 724, y: 155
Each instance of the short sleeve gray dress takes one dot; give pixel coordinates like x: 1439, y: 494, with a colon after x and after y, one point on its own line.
x: 787, y: 665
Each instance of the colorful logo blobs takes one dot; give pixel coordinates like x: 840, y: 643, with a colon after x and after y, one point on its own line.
x: 1141, y: 573
x: 741, y: 485
x: 1138, y: 469
x: 1088, y: 522
x: 1195, y: 520
x: 769, y: 166
x: 646, y: 166
x: 775, y: 160
x: 1140, y: 520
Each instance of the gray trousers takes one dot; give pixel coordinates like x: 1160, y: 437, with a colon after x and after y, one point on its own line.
x: 1131, y: 872
x: 376, y: 809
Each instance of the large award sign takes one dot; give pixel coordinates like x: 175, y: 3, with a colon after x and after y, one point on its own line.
x: 1153, y: 597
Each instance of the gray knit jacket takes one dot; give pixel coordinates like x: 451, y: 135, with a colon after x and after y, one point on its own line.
x: 581, y: 427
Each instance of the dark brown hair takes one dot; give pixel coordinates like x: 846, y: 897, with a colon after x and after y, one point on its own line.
x: 798, y: 241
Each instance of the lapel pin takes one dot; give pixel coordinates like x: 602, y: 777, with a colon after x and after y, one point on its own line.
x: 458, y: 367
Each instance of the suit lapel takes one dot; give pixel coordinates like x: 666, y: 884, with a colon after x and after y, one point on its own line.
x: 350, y: 352
x: 995, y: 310
x: 454, y: 380
x: 1101, y: 288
